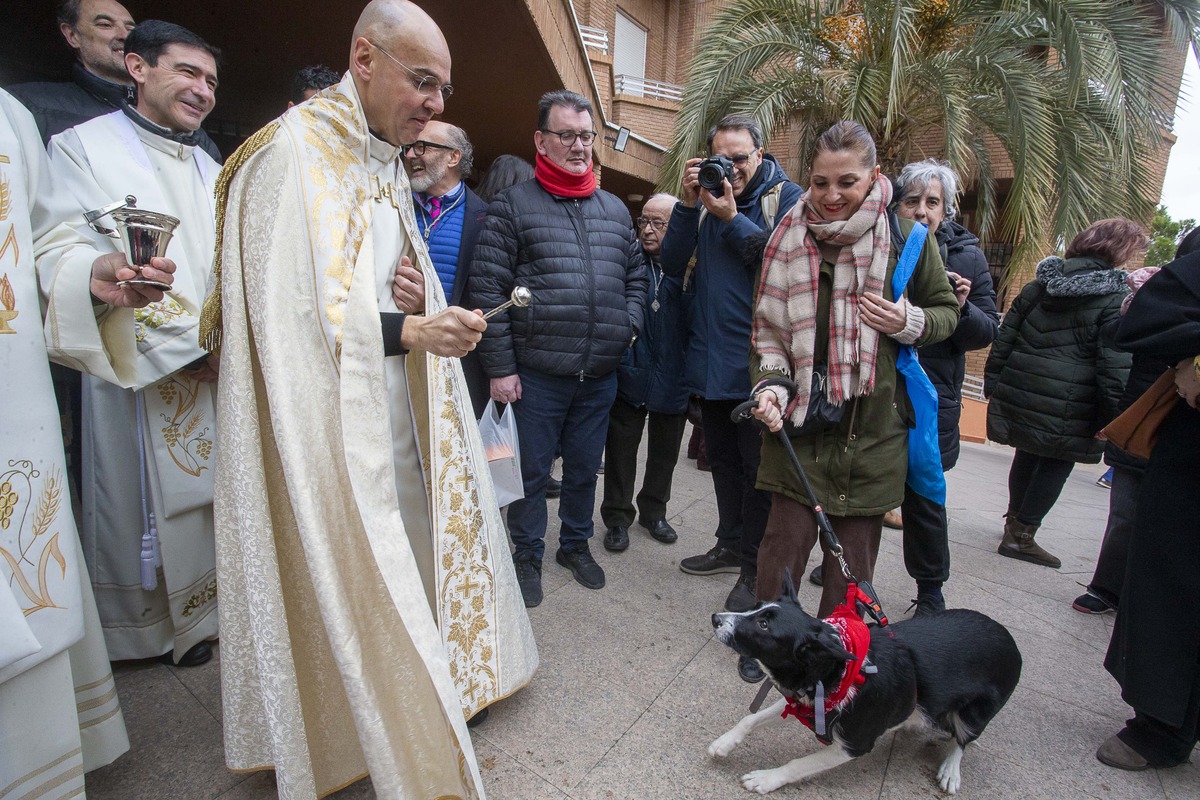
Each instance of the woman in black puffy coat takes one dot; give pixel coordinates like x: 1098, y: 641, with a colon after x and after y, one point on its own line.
x: 1053, y: 381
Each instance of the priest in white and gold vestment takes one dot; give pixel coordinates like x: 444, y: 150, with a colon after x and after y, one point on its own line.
x: 59, y: 715
x: 353, y: 495
x: 149, y: 424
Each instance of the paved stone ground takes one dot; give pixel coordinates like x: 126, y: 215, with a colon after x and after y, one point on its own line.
x: 633, y: 686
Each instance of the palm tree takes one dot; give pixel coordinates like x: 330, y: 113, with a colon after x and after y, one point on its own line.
x: 1072, y: 91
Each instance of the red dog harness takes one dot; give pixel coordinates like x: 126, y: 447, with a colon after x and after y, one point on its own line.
x: 819, y: 715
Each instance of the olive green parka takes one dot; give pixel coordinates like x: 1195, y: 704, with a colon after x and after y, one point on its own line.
x: 858, y: 468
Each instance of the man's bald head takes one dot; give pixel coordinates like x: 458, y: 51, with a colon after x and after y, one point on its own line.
x: 387, y: 21
x: 401, y: 67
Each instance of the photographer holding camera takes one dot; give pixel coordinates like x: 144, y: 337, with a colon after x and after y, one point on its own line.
x: 729, y: 200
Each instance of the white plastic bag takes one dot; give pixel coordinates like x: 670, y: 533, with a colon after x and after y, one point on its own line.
x: 503, y: 451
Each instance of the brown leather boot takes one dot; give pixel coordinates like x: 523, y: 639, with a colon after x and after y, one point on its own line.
x: 1018, y: 543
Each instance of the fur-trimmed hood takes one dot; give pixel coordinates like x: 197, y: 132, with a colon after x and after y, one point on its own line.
x: 1080, y: 277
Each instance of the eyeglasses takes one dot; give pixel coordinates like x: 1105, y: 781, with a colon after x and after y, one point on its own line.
x: 656, y: 224
x: 740, y: 159
x: 418, y: 147
x: 426, y: 85
x: 568, y: 137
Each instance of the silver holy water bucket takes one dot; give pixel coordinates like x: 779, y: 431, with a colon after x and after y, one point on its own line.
x: 143, y: 234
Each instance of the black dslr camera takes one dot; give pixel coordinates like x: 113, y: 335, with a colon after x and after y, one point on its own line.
x: 714, y: 170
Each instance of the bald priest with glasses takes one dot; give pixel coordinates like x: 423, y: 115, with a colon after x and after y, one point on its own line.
x: 368, y: 604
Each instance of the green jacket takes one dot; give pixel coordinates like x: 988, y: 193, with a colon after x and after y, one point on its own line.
x: 858, y: 468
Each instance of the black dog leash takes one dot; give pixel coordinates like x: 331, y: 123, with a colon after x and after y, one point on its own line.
x: 869, y: 600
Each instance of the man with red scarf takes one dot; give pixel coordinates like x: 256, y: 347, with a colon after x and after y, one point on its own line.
x: 573, y: 246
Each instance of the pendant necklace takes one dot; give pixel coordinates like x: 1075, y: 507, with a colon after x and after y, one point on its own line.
x: 428, y: 228
x: 654, y: 306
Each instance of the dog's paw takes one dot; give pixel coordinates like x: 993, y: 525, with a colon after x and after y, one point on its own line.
x: 949, y: 777
x: 724, y: 745
x: 763, y: 781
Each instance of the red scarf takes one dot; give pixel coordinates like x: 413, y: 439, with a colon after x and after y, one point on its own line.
x: 557, y: 181
x: 856, y: 638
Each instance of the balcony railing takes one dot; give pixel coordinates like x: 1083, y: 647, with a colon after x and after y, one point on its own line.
x: 595, y: 38
x: 641, y: 87
x: 972, y: 387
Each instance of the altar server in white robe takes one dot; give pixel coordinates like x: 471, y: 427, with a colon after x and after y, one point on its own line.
x: 59, y: 715
x: 148, y: 447
x: 353, y: 495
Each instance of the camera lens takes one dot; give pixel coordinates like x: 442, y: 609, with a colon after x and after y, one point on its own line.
x: 712, y: 172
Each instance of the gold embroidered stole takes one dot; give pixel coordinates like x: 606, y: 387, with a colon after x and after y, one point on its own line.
x: 467, y: 528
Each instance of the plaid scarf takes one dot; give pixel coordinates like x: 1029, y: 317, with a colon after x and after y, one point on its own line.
x: 785, y: 313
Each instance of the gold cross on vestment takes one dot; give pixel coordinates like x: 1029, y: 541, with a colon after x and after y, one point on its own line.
x: 468, y: 586
x: 380, y: 190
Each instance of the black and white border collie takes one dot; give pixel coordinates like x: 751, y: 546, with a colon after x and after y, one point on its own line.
x: 952, y: 671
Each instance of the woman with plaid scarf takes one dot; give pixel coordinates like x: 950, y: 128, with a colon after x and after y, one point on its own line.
x: 825, y: 300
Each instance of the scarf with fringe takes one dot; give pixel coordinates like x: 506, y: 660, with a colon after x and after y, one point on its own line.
x: 785, y: 312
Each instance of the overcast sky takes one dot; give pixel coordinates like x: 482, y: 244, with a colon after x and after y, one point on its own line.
x: 1181, y: 189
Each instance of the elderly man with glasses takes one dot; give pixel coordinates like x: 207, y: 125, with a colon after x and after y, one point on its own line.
x: 710, y: 232
x: 573, y: 246
x: 649, y: 387
x: 449, y: 216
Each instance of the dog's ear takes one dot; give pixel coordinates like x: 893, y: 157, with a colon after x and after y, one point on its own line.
x: 789, y: 587
x: 822, y: 649
x: 833, y: 645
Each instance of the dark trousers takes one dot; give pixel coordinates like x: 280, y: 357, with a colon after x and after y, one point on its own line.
x: 1034, y: 484
x: 625, y: 426
x: 1161, y: 744
x: 790, y: 536
x: 559, y: 411
x: 1122, y: 511
x: 734, y: 450
x: 926, y: 538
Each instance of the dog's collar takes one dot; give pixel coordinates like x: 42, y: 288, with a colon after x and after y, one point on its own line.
x: 820, y: 713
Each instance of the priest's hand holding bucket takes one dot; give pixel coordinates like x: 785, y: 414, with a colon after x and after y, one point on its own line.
x: 144, y: 236
x: 113, y: 280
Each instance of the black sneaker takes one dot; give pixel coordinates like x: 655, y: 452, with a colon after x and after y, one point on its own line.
x: 927, y: 604
x: 719, y: 559
x: 749, y: 670
x: 529, y: 578
x: 1091, y: 604
x: 553, y: 488
x: 817, y: 576
x: 741, y: 597
x: 582, y: 566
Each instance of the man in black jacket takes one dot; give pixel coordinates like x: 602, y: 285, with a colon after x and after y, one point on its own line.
x: 573, y: 246
x: 650, y: 395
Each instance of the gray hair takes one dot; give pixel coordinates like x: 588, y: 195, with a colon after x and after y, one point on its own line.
x: 460, y: 142
x: 915, y: 178
x: 661, y: 196
x: 565, y: 98
x: 737, y: 122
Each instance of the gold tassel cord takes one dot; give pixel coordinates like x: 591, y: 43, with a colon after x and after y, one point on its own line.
x: 210, y: 315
